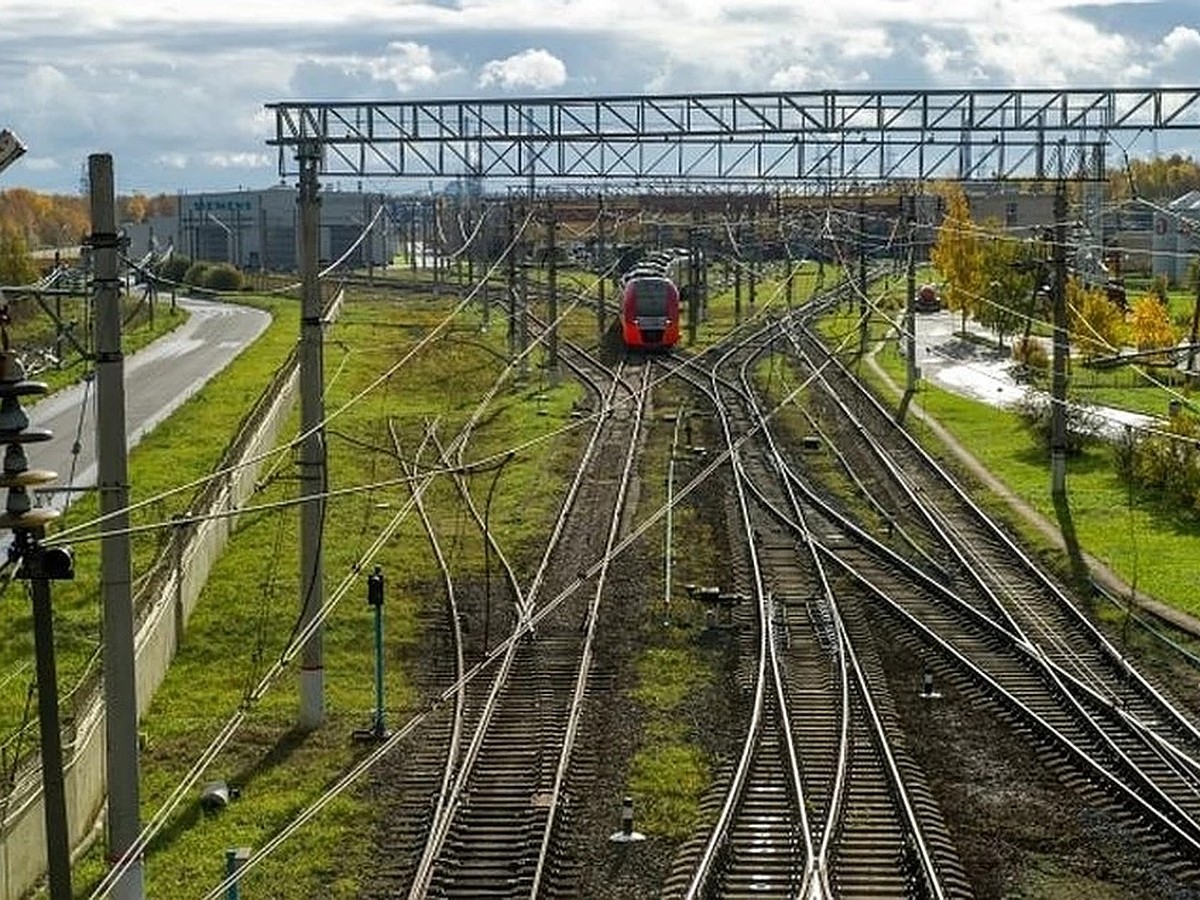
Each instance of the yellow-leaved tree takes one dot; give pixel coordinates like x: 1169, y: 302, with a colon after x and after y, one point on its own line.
x: 956, y: 254
x: 1097, y: 324
x: 1150, y: 322
x: 16, y: 264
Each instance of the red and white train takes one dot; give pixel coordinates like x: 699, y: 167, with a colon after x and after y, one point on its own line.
x: 650, y: 304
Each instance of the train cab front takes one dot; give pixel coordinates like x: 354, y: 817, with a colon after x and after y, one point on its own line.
x: 651, y: 319
x: 651, y: 331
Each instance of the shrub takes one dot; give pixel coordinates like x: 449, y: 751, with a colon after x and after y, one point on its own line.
x: 174, y: 268
x: 1032, y: 357
x: 1165, y: 463
x: 223, y: 277
x: 196, y: 274
x: 1083, y: 425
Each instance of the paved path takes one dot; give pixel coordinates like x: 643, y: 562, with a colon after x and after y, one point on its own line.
x: 158, y: 379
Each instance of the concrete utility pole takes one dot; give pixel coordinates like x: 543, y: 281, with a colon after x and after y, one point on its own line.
x: 600, y: 319
x: 910, y: 306
x: 737, y: 272
x: 523, y: 294
x: 120, y: 676
x: 552, y: 286
x: 312, y: 447
x: 693, y: 289
x: 1058, y: 387
x: 753, y: 274
x: 864, y: 319
x: 511, y: 279
x: 412, y: 237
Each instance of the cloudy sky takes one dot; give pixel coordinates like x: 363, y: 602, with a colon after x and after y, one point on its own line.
x: 175, y: 89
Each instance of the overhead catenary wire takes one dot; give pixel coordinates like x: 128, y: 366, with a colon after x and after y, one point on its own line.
x: 523, y: 626
x: 293, y: 648
x: 420, y: 345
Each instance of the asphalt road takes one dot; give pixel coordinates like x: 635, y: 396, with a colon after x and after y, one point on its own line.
x: 158, y: 379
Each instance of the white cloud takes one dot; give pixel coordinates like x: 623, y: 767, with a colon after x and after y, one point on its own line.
x: 149, y: 80
x: 938, y: 58
x: 1181, y: 40
x: 406, y: 64
x: 536, y: 69
x: 237, y: 160
x: 41, y: 163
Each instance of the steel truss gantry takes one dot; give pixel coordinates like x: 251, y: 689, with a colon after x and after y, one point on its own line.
x: 843, y: 137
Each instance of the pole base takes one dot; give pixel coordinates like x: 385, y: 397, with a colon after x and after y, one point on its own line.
x: 626, y: 837
x: 370, y: 735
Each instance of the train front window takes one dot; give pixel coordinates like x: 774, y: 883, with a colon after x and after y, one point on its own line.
x: 650, y: 298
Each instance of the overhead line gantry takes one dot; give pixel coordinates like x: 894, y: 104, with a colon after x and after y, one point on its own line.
x: 834, y: 137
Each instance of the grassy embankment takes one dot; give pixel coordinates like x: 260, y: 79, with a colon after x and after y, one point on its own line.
x: 1145, y: 543
x: 76, y: 603
x: 248, y: 610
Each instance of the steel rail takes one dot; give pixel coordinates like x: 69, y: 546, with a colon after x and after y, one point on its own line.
x: 911, y: 822
x: 460, y: 667
x: 575, y: 713
x: 768, y: 666
x: 440, y: 829
x: 1068, y: 608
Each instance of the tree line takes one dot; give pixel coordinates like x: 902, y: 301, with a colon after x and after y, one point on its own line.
x: 31, y: 221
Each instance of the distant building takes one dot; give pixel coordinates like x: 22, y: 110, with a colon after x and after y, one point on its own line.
x: 259, y: 230
x: 1175, y: 240
x: 1015, y: 211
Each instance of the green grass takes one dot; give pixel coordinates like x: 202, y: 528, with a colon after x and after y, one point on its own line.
x: 247, y: 611
x: 771, y: 297
x: 672, y: 766
x: 1143, y: 543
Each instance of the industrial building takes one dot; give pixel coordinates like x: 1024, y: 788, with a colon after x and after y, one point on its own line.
x: 259, y: 230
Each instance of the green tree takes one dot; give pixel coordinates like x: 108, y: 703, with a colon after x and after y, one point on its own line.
x: 196, y: 274
x: 956, y: 254
x: 223, y: 277
x: 174, y: 268
x: 1007, y: 272
x: 16, y: 263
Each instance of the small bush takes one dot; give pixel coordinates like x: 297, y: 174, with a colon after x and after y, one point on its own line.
x: 1083, y: 426
x: 1165, y: 463
x: 223, y: 277
x: 196, y: 274
x: 174, y: 268
x: 1032, y: 358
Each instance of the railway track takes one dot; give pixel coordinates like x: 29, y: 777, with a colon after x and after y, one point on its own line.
x: 818, y: 805
x: 983, y: 563
x: 494, y: 833
x: 1146, y: 771
x: 824, y: 800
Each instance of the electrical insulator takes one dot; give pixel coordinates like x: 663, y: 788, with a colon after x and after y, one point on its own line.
x: 19, y: 512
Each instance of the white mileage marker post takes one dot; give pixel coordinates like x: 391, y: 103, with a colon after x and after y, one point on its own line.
x: 626, y: 835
